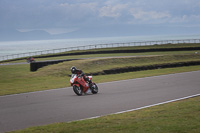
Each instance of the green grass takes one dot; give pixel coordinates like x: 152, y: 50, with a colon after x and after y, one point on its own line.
x: 104, y: 64
x: 18, y: 78
x: 177, y: 117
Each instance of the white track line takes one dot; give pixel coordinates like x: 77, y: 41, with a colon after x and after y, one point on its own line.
x: 141, y: 107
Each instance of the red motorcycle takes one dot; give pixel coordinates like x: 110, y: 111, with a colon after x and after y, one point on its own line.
x: 30, y: 59
x: 80, y: 86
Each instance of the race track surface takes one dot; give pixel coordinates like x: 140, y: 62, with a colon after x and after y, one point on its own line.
x: 62, y: 105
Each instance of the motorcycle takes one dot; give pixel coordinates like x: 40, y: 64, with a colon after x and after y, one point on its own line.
x: 80, y: 86
x: 30, y: 60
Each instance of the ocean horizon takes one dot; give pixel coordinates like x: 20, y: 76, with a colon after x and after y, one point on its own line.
x: 17, y: 47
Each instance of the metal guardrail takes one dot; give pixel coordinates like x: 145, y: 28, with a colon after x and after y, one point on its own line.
x: 87, y: 47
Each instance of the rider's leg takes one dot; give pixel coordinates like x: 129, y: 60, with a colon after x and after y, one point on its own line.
x: 87, y: 79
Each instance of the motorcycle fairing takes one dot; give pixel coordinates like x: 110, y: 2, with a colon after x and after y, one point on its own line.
x: 84, y: 84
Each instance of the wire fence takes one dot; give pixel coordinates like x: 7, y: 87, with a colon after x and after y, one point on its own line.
x: 97, y: 46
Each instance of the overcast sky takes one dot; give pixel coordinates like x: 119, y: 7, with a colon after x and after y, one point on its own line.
x: 60, y: 16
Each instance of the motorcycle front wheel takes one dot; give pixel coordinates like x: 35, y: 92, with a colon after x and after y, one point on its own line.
x: 94, y: 88
x: 78, y: 90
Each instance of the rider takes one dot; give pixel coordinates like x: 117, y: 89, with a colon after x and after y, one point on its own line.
x: 30, y: 59
x: 80, y: 72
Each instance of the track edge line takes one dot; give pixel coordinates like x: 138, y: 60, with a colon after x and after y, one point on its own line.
x: 148, y: 106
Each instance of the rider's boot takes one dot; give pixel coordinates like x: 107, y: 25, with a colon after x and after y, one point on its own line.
x: 90, y: 83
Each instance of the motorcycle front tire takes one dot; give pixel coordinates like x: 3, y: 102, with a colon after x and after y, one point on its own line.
x: 94, y: 88
x: 78, y: 90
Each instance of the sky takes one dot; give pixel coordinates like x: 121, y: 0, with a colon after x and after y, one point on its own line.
x: 65, y: 16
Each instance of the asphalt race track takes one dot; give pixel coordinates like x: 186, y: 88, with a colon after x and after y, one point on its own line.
x: 62, y: 105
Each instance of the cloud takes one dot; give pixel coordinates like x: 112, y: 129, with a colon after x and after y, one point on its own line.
x: 67, y: 14
x: 35, y: 14
x: 74, y: 14
x: 186, y: 19
x: 112, y: 10
x: 148, y: 15
x: 80, y: 8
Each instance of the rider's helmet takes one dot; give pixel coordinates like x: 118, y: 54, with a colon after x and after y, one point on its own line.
x: 73, y: 69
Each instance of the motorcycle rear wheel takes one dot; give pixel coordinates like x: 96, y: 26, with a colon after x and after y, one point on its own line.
x: 94, y: 88
x: 78, y: 90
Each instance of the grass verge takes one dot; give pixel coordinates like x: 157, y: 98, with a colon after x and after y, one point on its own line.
x: 177, y: 117
x: 18, y: 79
x: 182, y: 116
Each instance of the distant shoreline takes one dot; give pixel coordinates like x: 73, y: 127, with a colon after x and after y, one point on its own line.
x: 16, y: 47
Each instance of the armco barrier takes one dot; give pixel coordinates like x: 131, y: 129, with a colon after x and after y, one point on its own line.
x: 124, y: 51
x: 114, y: 51
x: 111, y: 45
x: 148, y: 67
x: 34, y: 66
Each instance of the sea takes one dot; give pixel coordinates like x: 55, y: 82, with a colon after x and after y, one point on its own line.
x: 17, y: 47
